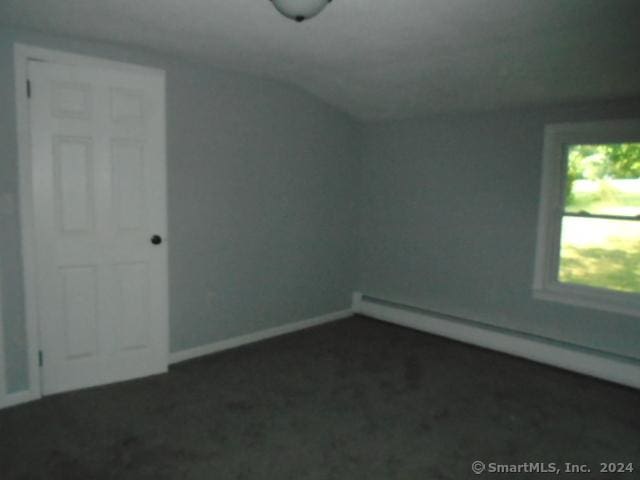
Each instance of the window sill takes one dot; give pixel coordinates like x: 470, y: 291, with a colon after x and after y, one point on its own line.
x: 594, y: 298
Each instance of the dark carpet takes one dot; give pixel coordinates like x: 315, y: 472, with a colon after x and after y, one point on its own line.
x: 356, y: 399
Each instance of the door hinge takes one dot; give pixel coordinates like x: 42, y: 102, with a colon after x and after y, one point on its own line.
x: 40, y: 358
x: 28, y: 88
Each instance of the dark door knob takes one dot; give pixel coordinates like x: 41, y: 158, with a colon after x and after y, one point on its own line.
x: 156, y: 239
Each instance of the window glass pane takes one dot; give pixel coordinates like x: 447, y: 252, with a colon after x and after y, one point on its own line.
x: 601, y: 253
x: 603, y: 179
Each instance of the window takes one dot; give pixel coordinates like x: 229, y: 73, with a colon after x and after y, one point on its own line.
x: 588, y: 250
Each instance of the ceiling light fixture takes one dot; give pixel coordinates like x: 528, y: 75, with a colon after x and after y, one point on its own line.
x: 300, y: 10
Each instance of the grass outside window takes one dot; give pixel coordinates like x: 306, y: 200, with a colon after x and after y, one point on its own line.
x: 596, y: 250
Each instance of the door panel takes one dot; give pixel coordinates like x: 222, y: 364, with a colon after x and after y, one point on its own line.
x: 74, y: 177
x: 126, y: 105
x: 99, y: 195
x: 71, y: 100
x: 80, y: 309
x: 128, y: 181
x: 132, y: 290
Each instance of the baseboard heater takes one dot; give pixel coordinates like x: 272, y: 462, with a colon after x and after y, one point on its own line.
x: 587, y: 361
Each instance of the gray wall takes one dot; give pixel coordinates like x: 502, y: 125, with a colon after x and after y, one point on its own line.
x: 449, y: 217
x: 261, y: 215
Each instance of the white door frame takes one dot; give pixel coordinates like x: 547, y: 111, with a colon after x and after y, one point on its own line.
x: 22, y: 55
x: 3, y: 381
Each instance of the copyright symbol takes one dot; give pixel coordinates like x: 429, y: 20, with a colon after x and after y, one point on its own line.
x: 478, y: 467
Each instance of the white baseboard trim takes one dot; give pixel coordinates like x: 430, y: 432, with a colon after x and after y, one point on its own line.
x: 184, y: 355
x: 16, y: 398
x: 577, y: 359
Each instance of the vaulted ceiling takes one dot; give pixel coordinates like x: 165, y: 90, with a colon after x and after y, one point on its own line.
x: 380, y: 59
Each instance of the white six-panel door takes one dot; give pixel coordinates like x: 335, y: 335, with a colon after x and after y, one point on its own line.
x: 99, y: 195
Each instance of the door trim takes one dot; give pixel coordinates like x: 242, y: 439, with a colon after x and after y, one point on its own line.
x: 3, y: 382
x: 22, y: 55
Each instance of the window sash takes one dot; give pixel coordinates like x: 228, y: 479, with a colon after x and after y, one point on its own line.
x: 601, y: 216
x: 605, y: 248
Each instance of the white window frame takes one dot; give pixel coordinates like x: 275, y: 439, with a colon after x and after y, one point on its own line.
x: 546, y: 285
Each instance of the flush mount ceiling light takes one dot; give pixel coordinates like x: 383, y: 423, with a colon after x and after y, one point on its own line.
x: 300, y: 10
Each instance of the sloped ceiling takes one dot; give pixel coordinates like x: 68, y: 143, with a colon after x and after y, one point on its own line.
x: 379, y: 59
